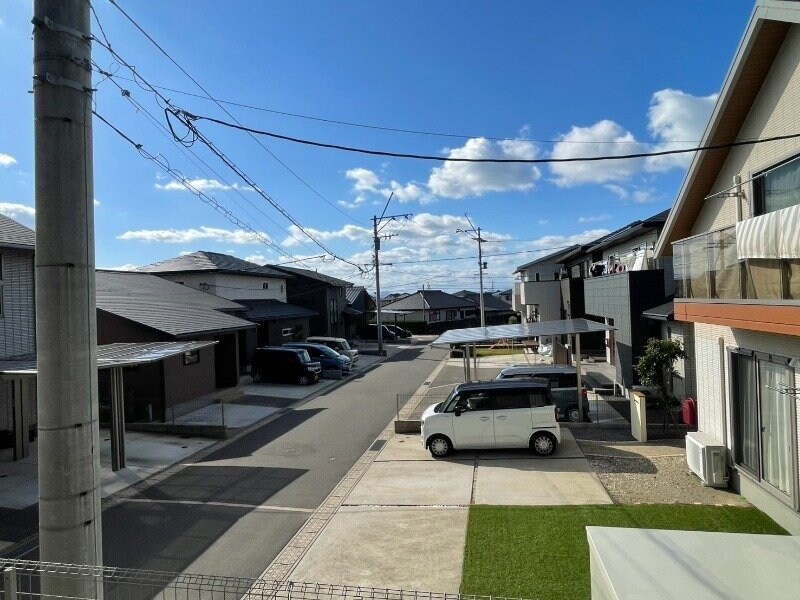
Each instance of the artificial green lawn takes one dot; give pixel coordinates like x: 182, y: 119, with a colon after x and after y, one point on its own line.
x: 541, y: 551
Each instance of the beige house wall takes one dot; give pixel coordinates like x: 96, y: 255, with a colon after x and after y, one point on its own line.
x: 776, y: 111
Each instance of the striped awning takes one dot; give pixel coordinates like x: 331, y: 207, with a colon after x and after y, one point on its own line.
x: 773, y: 235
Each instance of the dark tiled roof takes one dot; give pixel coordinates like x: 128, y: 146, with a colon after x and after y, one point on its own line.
x: 165, y: 306
x: 272, y: 310
x: 211, y: 261
x: 429, y: 300
x: 15, y: 235
x: 554, y: 257
x: 490, y: 301
x: 314, y: 275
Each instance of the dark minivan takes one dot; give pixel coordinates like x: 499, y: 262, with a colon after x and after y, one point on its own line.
x: 285, y: 365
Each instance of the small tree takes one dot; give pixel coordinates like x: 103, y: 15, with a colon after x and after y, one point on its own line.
x: 656, y: 368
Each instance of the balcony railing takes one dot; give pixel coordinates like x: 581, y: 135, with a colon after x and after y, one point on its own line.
x: 708, y: 266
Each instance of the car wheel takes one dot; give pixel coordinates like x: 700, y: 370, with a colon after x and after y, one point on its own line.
x: 256, y: 375
x: 439, y: 446
x: 573, y: 414
x: 543, y: 443
x: 305, y: 380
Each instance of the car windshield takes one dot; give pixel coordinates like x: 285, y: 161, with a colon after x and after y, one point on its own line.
x: 449, y: 404
x: 304, y: 356
x: 329, y: 352
x: 344, y: 345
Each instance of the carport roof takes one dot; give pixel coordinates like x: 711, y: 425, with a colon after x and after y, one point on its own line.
x: 474, y: 335
x: 116, y: 355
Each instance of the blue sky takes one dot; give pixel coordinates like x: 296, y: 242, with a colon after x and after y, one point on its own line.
x: 579, y: 78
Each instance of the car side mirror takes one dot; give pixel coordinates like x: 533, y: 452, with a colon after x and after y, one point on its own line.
x: 458, y: 411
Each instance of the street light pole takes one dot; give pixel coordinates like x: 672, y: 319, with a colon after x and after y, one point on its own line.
x: 480, y: 273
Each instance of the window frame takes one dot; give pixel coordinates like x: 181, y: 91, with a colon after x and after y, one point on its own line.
x: 333, y: 311
x: 757, y: 476
x: 758, y: 180
x: 191, y: 357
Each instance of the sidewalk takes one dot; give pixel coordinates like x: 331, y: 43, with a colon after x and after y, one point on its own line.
x: 399, y: 520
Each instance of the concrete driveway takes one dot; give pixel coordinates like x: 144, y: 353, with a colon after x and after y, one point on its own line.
x: 408, y: 506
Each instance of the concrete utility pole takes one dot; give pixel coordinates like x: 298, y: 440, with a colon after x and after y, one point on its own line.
x: 376, y: 221
x: 66, y: 328
x: 481, y: 265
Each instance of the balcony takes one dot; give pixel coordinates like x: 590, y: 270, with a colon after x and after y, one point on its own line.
x: 756, y: 261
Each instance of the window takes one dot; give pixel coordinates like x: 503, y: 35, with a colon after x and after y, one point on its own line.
x: 511, y: 400
x: 763, y: 416
x: 265, y: 286
x: 191, y: 357
x: 475, y: 401
x: 287, y: 332
x: 777, y: 188
x: 333, y: 310
x: 451, y: 315
x: 434, y: 315
x: 537, y: 277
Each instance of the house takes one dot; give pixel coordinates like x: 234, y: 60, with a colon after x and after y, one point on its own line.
x: 359, y: 310
x: 437, y: 309
x: 733, y: 237
x: 17, y: 305
x: 505, y: 295
x: 143, y: 308
x: 260, y: 291
x: 613, y: 280
x: 496, y: 310
x: 537, y: 296
x: 323, y: 294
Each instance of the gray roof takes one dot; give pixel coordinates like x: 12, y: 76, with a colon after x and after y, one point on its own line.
x: 171, y: 308
x: 211, y: 261
x: 272, y: 310
x: 314, y: 275
x: 429, y: 300
x: 16, y: 235
x: 553, y: 257
x: 662, y: 312
x: 352, y: 293
x: 517, y: 332
x: 116, y: 355
x: 490, y: 301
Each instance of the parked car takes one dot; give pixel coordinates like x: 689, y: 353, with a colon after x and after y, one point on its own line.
x: 493, y: 414
x: 370, y: 332
x: 341, y: 345
x: 286, y: 365
x: 399, y: 331
x: 327, y: 357
x: 563, y: 382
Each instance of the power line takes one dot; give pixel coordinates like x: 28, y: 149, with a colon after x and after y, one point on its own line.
x: 427, y: 260
x: 187, y: 140
x: 442, y: 134
x: 191, y: 156
x: 528, y: 161
x: 225, y: 110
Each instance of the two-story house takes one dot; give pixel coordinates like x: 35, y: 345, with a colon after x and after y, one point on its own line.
x: 537, y: 295
x: 734, y: 235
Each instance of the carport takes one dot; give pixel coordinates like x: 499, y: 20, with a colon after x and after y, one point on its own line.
x: 470, y: 337
x: 109, y: 356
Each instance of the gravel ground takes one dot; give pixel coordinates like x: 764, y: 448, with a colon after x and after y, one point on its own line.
x: 634, y: 473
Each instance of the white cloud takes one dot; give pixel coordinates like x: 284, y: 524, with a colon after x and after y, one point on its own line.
x: 201, y: 185
x: 125, y: 267
x: 96, y: 202
x: 182, y: 236
x: 644, y: 195
x: 594, y: 218
x: 6, y: 160
x: 544, y: 221
x: 678, y: 119
x: 462, y: 179
x: 604, y: 138
x: 617, y: 190
x: 259, y: 259
x: 360, y: 199
x: 18, y: 211
x: 409, y: 192
x: 365, y: 180
x: 351, y: 233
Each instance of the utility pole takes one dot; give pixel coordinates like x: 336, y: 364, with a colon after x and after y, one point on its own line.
x: 66, y: 328
x: 481, y: 265
x: 376, y: 238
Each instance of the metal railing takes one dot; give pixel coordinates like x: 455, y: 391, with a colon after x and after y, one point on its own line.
x: 33, y: 580
x: 707, y: 266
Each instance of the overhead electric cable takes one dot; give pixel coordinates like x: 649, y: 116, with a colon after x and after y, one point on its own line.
x: 530, y: 161
x: 226, y: 111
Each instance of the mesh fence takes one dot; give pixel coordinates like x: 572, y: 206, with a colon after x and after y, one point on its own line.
x: 32, y: 580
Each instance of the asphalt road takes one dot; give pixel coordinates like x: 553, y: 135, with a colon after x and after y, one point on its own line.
x: 232, y: 512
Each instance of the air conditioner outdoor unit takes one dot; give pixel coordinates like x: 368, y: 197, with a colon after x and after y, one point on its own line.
x: 705, y: 456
